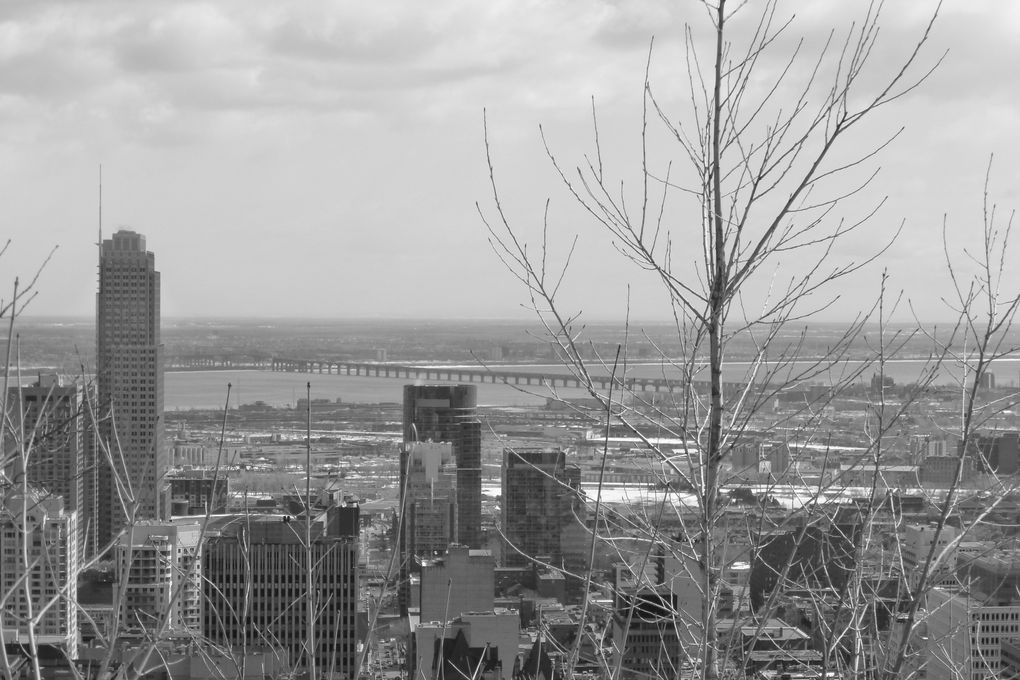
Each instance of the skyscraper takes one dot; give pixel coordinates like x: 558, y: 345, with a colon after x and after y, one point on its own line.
x: 428, y: 502
x: 159, y: 578
x: 55, y: 425
x: 132, y: 461
x: 434, y: 415
x: 543, y: 513
x: 446, y: 413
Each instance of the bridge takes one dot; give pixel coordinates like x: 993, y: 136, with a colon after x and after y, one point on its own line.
x: 207, y: 362
x: 481, y: 374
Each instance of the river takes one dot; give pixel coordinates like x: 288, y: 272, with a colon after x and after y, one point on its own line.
x: 208, y: 389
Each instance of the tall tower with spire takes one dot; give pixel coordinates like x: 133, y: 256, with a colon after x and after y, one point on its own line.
x: 132, y: 459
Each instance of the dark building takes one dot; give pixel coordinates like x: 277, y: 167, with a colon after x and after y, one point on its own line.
x: 995, y: 579
x: 998, y: 453
x: 467, y: 451
x: 439, y: 414
x: 447, y: 413
x: 255, y: 581
x: 940, y: 471
x: 542, y: 509
x: 129, y: 363
x: 651, y: 620
x: 820, y: 556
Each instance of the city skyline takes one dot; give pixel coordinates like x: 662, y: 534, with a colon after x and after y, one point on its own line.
x: 317, y: 161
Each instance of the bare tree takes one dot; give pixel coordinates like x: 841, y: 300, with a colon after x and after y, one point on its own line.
x: 760, y: 178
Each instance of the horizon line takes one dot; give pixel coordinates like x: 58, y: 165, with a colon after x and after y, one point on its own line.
x: 425, y: 319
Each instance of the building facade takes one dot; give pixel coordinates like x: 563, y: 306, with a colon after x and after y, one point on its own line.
x: 965, y: 636
x: 257, y: 585
x: 540, y: 495
x: 463, y: 580
x: 995, y: 453
x: 428, y: 502
x: 129, y: 362
x: 480, y: 645
x: 57, y: 429
x: 447, y: 413
x: 196, y: 492
x: 39, y: 523
x: 159, y: 577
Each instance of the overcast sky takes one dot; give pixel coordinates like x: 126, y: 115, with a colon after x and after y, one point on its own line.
x: 324, y: 158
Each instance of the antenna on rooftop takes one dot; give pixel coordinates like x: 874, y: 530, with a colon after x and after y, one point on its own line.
x: 100, y: 242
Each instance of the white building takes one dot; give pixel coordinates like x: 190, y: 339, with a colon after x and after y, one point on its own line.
x: 965, y: 636
x: 49, y: 595
x: 159, y: 575
x: 917, y: 545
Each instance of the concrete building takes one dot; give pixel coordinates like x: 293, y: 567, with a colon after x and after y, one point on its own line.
x: 753, y: 460
x: 477, y: 645
x: 462, y: 580
x: 195, y: 492
x: 129, y: 363
x: 917, y: 545
x: 966, y: 629
x: 158, y: 579
x: 52, y: 546
x: 446, y: 413
x: 995, y: 453
x: 965, y: 636
x: 769, y: 648
x: 257, y: 585
x: 994, y: 578
x: 187, y: 658
x: 649, y: 626
x: 940, y: 471
x: 55, y: 421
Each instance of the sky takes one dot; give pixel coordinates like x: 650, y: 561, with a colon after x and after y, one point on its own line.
x: 325, y: 159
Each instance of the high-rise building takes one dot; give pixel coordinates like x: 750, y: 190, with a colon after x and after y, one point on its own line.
x: 438, y: 416
x: 256, y: 578
x: 428, y: 498
x: 51, y: 587
x: 56, y: 437
x: 159, y: 578
x: 129, y: 361
x: 446, y: 413
x: 542, y: 512
x: 431, y: 498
